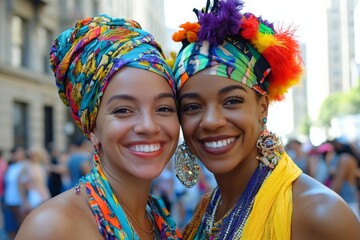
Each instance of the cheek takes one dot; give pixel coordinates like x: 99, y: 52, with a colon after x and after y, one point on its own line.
x: 188, y: 125
x: 245, y: 122
x: 114, y: 129
x: 171, y: 126
x: 246, y: 117
x: 253, y: 130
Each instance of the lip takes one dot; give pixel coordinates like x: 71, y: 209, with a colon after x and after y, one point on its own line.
x: 218, y: 145
x: 144, y: 149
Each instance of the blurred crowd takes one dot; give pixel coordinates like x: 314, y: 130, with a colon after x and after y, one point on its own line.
x: 335, y: 163
x: 31, y: 176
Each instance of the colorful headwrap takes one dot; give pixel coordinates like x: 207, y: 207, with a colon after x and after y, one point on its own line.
x: 85, y: 58
x: 239, y: 46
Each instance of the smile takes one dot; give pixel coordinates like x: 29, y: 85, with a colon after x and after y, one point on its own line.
x: 220, y: 143
x: 146, y: 148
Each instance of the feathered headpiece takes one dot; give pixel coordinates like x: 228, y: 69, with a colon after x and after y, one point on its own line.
x: 222, y: 21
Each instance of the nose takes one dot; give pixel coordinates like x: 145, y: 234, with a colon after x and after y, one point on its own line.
x: 147, y: 124
x: 212, y: 119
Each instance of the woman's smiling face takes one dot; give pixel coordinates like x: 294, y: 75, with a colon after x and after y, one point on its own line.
x: 137, y: 127
x: 221, y: 121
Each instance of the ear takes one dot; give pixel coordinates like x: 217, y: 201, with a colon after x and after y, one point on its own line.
x: 94, y: 139
x: 264, y: 106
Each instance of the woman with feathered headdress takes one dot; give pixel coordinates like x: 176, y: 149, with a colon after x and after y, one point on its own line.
x: 231, y: 67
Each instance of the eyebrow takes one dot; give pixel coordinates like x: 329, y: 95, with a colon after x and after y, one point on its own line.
x: 120, y: 96
x: 232, y: 87
x: 222, y: 91
x: 188, y: 95
x: 165, y: 95
x: 131, y: 98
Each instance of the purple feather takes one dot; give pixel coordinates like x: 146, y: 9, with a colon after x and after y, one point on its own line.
x: 267, y: 23
x: 223, y: 22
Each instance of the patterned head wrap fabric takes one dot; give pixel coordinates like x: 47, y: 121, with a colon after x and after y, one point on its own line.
x: 85, y: 58
x: 243, y: 64
x: 238, y: 46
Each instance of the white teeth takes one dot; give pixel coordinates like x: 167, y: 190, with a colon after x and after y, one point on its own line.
x: 146, y: 148
x: 219, y: 144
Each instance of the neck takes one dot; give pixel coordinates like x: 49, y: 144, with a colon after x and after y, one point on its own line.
x: 232, y: 184
x: 133, y: 195
x: 141, y: 223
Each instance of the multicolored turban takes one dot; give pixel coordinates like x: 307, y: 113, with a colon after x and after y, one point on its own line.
x: 85, y: 58
x: 238, y: 46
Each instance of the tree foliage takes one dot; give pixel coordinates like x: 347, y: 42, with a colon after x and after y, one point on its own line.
x: 339, y: 104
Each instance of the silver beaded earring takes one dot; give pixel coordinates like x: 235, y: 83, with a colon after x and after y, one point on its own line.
x: 269, y: 146
x: 186, y: 168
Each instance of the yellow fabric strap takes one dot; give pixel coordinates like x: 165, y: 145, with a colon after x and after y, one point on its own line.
x: 270, y: 217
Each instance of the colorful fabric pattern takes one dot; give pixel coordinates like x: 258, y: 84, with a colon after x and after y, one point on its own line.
x: 270, y: 217
x: 237, y: 61
x: 84, y: 59
x: 111, y: 218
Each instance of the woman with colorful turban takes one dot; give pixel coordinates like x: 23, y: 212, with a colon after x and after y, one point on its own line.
x: 115, y: 80
x: 231, y: 67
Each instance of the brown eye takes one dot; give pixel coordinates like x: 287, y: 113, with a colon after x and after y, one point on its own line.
x: 166, y: 109
x: 234, y: 100
x: 190, y: 107
x: 121, y: 110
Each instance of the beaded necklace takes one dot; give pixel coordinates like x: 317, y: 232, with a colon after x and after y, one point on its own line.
x: 233, y: 223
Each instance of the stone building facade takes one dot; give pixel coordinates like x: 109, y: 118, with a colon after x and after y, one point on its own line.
x: 31, y: 112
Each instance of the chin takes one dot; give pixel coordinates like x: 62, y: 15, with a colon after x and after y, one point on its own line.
x: 149, y: 173
x: 218, y: 167
x: 218, y: 171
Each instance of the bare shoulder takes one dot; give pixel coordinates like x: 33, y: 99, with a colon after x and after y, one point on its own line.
x: 319, y: 213
x: 64, y: 217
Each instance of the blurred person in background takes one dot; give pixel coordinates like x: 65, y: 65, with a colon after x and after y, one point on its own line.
x: 33, y: 180
x: 13, y: 213
x: 55, y: 171
x: 64, y: 170
x: 344, y: 173
x: 79, y: 160
x: 319, y: 163
x: 3, y: 168
x: 295, y: 150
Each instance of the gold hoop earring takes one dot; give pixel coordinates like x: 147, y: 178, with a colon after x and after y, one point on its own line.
x: 269, y: 146
x: 186, y: 168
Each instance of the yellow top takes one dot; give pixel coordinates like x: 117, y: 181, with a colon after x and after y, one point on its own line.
x: 272, y: 210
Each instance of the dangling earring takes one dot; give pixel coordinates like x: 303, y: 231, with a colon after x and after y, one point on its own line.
x: 186, y: 168
x: 270, y: 147
x: 96, y: 156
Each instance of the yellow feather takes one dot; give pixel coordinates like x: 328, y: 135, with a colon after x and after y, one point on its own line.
x: 263, y: 41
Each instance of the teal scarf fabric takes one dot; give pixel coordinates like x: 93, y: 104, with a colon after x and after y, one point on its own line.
x: 110, y: 216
